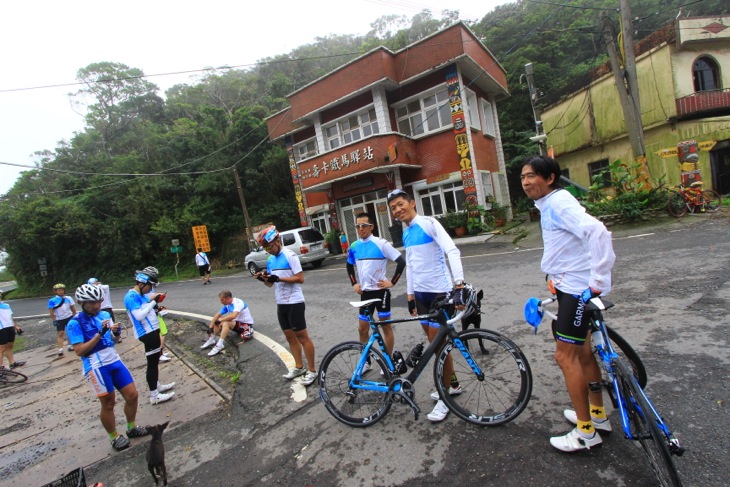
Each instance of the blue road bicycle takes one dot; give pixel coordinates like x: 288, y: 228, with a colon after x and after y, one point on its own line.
x: 624, y: 380
x: 494, y: 374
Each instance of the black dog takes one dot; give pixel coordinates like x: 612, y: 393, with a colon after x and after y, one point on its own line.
x: 156, y: 453
x: 476, y: 317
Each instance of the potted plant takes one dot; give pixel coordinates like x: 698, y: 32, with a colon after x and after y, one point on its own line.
x: 499, y: 213
x: 456, y: 221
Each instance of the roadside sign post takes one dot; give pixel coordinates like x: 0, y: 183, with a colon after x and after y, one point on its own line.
x: 176, y: 249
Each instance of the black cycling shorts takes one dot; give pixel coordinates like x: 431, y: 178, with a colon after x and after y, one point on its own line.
x: 7, y: 335
x: 291, y: 316
x: 572, y: 323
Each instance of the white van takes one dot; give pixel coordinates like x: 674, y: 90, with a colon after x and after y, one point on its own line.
x: 306, y: 242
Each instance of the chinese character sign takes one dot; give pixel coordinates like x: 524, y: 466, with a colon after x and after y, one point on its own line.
x: 200, y: 236
x: 460, y: 136
x: 340, y: 162
x: 297, y: 187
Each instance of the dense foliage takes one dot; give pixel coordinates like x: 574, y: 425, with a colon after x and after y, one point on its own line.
x: 146, y: 168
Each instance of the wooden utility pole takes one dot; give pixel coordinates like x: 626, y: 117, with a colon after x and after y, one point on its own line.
x: 540, y: 136
x: 246, y: 218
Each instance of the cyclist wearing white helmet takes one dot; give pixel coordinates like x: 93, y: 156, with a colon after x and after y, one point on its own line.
x: 284, y: 273
x: 61, y: 308
x: 93, y: 334
x: 141, y: 304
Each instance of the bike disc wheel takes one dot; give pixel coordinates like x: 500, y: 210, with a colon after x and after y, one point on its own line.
x: 354, y: 407
x: 711, y: 202
x: 625, y: 351
x: 505, y: 388
x: 12, y: 377
x: 676, y: 205
x: 645, y: 428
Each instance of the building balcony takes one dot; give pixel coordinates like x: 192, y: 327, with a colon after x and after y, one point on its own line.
x: 704, y: 104
x: 379, y: 153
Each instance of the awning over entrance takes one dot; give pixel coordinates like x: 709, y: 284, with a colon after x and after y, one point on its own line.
x: 316, y: 209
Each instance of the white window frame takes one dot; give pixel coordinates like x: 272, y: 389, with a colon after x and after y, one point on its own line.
x: 488, y: 118
x: 442, y: 192
x: 303, y: 151
x: 352, y: 127
x: 473, y: 106
x: 418, y: 112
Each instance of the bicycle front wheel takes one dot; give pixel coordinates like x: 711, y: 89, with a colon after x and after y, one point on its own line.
x: 646, y: 430
x: 353, y: 406
x: 626, y: 351
x: 503, y: 390
x: 12, y: 377
x: 677, y: 205
x: 710, y: 202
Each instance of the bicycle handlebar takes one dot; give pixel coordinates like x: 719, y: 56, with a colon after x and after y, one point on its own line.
x: 430, y: 316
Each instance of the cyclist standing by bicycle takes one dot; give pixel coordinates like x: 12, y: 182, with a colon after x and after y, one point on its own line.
x: 8, y: 330
x: 61, y: 308
x: 577, y: 258
x: 141, y: 307
x: 284, y: 273
x: 371, y: 254
x: 427, y: 248
x: 93, y: 334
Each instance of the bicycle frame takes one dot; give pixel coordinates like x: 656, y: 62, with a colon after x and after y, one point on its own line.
x: 403, y: 387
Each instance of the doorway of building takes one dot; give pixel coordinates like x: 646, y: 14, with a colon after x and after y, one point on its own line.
x: 374, y: 204
x: 720, y: 167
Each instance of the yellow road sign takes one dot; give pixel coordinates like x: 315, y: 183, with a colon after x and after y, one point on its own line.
x: 200, y: 236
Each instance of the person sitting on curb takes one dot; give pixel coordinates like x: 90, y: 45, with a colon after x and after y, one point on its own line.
x: 61, y: 308
x: 235, y: 315
x: 8, y: 330
x: 93, y: 335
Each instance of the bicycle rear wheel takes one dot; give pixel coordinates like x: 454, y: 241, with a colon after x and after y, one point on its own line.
x: 710, y: 202
x: 625, y: 351
x: 354, y: 407
x: 676, y: 205
x: 11, y: 377
x: 654, y: 442
x: 504, y: 390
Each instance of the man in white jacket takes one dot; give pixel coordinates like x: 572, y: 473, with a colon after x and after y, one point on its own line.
x: 577, y: 258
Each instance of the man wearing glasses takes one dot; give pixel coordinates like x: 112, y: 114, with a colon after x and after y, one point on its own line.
x: 284, y: 273
x: 371, y: 254
x: 141, y: 304
x: 428, y: 247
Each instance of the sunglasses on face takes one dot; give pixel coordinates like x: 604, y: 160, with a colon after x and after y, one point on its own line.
x: 363, y: 225
x: 395, y: 193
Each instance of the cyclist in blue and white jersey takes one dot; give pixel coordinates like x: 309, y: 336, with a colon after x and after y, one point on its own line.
x: 8, y: 330
x: 371, y: 254
x: 235, y: 315
x: 141, y: 308
x: 61, y: 308
x: 93, y: 334
x: 428, y: 247
x: 577, y: 258
x: 284, y: 273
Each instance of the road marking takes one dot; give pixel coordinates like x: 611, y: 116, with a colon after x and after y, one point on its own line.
x: 299, y: 392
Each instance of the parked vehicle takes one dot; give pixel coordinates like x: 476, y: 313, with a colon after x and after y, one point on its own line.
x: 306, y: 242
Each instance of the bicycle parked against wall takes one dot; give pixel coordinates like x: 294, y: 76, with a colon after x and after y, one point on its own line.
x: 693, y: 199
x: 622, y: 370
x: 8, y: 376
x: 493, y: 372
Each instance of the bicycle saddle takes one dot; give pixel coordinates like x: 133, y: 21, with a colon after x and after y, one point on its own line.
x: 597, y: 304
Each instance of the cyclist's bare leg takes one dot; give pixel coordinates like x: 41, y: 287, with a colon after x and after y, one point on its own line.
x: 294, y: 347
x: 448, y: 363
x: 363, y: 330
x: 226, y: 327
x: 592, y: 372
x: 59, y: 338
x: 131, y: 397
x: 6, y: 351
x: 106, y: 416
x: 568, y: 358
x: 308, y: 348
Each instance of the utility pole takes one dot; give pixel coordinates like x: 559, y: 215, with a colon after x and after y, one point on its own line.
x: 246, y: 218
x: 540, y: 136
x: 627, y: 85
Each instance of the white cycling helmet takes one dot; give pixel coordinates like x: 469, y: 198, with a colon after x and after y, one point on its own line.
x: 88, y: 292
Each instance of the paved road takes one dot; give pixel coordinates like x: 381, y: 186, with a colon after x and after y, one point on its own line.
x: 672, y: 295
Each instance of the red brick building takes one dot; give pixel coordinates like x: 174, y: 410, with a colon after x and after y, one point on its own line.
x: 423, y: 118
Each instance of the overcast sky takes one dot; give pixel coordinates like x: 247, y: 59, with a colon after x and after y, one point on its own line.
x: 45, y: 42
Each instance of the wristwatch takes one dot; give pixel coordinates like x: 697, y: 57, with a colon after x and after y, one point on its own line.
x: 460, y: 282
